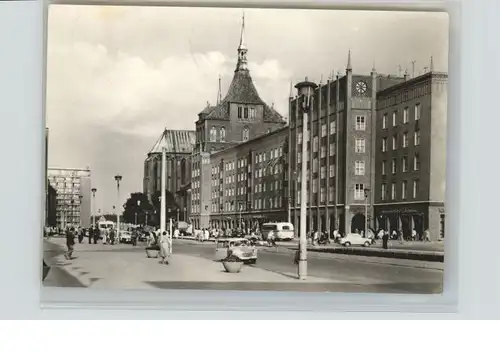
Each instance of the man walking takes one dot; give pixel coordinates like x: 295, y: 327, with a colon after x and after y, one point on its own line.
x: 91, y: 234
x: 70, y: 243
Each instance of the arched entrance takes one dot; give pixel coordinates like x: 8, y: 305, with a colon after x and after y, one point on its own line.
x: 358, y: 223
x: 406, y: 225
x: 418, y: 221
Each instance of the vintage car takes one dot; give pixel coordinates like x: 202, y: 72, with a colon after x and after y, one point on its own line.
x: 355, y: 239
x: 239, y: 247
x: 125, y: 237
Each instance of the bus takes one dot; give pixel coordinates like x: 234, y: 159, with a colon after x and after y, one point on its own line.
x: 283, y: 231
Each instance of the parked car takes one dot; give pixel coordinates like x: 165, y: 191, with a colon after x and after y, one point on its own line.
x: 239, y: 247
x: 355, y: 239
x: 125, y: 237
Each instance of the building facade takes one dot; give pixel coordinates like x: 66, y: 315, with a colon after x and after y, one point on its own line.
x: 248, y: 184
x: 179, y: 145
x: 51, y: 206
x: 410, y: 154
x: 240, y: 117
x: 340, y: 135
x: 73, y: 198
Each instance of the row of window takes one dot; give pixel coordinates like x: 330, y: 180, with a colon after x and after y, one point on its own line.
x: 405, y: 141
x: 404, y: 190
x: 404, y: 165
x: 246, y: 112
x: 333, y: 130
x: 322, y: 172
x: 406, y: 116
x: 322, y: 195
x: 265, y: 186
x: 218, y: 134
x: 269, y: 170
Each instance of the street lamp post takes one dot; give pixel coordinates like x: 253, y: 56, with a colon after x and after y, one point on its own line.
x: 304, y: 89
x: 178, y: 214
x: 93, y: 206
x: 163, y: 193
x: 135, y: 218
x: 118, y: 178
x: 366, y: 210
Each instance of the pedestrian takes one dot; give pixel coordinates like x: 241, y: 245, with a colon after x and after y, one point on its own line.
x: 165, y: 248
x: 91, y: 233
x: 97, y: 234
x: 112, y: 236
x: 70, y: 243
x: 79, y: 230
x: 206, y: 235
x: 176, y: 233
x: 413, y: 235
x: 135, y: 234
x: 427, y: 236
x: 385, y: 239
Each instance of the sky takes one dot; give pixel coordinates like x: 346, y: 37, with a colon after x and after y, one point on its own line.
x: 117, y: 76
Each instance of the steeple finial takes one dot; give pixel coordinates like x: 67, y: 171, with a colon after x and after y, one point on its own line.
x: 242, y: 35
x: 373, y: 67
x: 242, y: 48
x: 431, y: 68
x: 291, y: 90
x: 321, y: 79
x: 219, y: 92
x: 349, y: 66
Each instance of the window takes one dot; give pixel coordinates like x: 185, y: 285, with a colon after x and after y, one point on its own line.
x: 322, y: 193
x: 299, y: 138
x: 393, y: 166
x: 281, y: 151
x: 404, y: 185
x: 315, y: 186
x: 299, y: 157
x: 213, y: 134
x: 323, y: 172
x: 240, y: 112
x: 359, y: 191
x: 394, y: 142
x: 298, y: 197
x: 252, y: 113
x: 394, y: 122
x: 360, y: 123
x: 384, y: 121
x: 384, y: 144
x: 245, y: 111
x: 416, y: 162
x: 405, y: 164
x: 332, y: 170
x: 406, y: 118
x: 323, y: 151
x: 405, y: 140
x: 315, y: 165
x: 384, y: 166
x: 393, y: 191
x: 222, y: 134
x: 360, y: 145
x: 332, y: 149
x: 315, y: 144
x: 333, y: 127
x: 246, y: 133
x: 417, y: 137
x: 417, y: 112
x: 330, y: 194
x: 323, y: 130
x: 383, y: 191
x: 415, y: 188
x: 359, y: 168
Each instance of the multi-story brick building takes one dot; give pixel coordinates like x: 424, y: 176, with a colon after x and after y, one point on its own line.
x: 237, y: 118
x: 73, y: 196
x: 410, y: 169
x: 179, y: 145
x: 340, y: 135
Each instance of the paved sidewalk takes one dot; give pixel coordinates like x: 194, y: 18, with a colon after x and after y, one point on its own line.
x: 126, y: 267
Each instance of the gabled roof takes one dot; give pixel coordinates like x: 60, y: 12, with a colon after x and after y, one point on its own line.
x: 175, y: 141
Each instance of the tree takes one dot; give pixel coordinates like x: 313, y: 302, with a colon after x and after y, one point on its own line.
x: 136, y: 207
x: 171, y: 206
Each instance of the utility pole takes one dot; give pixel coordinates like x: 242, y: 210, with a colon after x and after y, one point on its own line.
x: 305, y: 88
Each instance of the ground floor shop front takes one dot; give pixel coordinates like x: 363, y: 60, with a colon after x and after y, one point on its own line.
x: 412, y: 216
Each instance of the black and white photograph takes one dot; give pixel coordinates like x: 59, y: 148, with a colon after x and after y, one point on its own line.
x: 211, y: 148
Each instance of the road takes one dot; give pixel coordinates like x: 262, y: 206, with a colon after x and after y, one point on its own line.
x: 345, y: 273
x: 381, y: 274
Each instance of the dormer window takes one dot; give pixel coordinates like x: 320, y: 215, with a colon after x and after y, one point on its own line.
x: 252, y: 113
x: 240, y: 112
x: 213, y: 134
x: 245, y: 113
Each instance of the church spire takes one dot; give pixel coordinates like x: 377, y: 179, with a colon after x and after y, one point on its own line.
x: 349, y: 66
x: 242, y: 49
x: 219, y: 92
